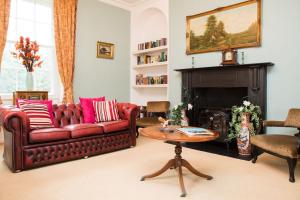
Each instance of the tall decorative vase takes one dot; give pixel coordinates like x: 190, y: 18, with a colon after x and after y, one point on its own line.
x: 29, y: 81
x: 184, y: 118
x: 243, y: 140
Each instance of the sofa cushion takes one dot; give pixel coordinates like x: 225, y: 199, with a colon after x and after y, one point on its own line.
x: 48, y: 135
x: 113, y: 126
x: 106, y: 111
x: 88, y: 109
x: 82, y: 130
x: 38, y: 115
x: 47, y: 102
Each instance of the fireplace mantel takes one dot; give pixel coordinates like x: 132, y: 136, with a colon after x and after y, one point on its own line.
x: 251, y: 78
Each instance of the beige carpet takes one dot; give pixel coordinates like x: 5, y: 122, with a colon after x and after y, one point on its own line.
x: 116, y: 176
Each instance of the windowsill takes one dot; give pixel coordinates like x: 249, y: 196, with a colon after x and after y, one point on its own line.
x: 7, y: 98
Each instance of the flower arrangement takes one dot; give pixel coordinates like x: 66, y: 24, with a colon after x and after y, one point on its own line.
x: 177, y: 114
x: 26, y: 52
x: 235, y: 125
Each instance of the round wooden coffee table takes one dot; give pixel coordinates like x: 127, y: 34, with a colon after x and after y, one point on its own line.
x: 178, y: 162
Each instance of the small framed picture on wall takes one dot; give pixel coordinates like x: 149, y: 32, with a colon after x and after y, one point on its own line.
x: 105, y: 50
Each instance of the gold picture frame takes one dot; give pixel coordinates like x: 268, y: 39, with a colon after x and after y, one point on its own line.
x: 105, y: 50
x: 234, y: 26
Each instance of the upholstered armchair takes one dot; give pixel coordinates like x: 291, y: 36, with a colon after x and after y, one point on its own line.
x: 283, y: 146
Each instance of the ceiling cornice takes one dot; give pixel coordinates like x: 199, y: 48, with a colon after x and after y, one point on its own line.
x: 122, y: 4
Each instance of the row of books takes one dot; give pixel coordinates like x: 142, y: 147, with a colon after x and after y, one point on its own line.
x: 151, y: 80
x: 152, y: 44
x: 147, y: 59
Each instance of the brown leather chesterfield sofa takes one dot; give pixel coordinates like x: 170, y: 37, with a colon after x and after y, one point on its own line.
x: 70, y: 138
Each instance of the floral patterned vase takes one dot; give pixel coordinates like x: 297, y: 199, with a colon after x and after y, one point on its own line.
x: 29, y: 81
x: 184, y: 118
x: 243, y: 140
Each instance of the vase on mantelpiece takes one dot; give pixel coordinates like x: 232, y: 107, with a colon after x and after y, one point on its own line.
x: 29, y: 81
x: 243, y: 139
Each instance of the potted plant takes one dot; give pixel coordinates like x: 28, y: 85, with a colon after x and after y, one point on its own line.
x: 245, y: 122
x: 178, y: 113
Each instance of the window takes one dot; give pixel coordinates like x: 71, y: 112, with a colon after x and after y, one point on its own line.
x: 33, y: 19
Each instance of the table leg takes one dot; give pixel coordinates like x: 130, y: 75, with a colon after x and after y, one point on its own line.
x: 183, y: 194
x: 170, y: 163
x: 187, y: 165
x: 175, y: 163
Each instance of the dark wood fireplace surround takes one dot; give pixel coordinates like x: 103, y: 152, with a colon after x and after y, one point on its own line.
x: 216, y: 89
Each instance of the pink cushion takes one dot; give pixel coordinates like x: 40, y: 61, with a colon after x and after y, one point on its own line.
x: 47, y: 102
x: 38, y: 115
x: 106, y: 110
x: 87, y: 108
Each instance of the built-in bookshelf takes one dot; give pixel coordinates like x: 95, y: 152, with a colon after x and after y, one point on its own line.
x: 149, y: 57
x: 149, y: 53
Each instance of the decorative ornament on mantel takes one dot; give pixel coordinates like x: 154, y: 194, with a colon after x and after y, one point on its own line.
x: 27, y: 53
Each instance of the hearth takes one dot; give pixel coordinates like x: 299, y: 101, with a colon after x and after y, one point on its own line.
x: 217, y: 89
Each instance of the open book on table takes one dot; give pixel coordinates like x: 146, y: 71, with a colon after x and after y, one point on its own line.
x: 195, y: 131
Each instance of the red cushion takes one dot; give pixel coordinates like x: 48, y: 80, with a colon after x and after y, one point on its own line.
x: 48, y: 135
x: 106, y: 111
x: 38, y: 115
x: 113, y: 126
x: 82, y: 130
x: 47, y: 102
x: 87, y: 108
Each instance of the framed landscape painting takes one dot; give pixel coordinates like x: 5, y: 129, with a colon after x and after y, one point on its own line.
x: 105, y: 50
x: 234, y: 26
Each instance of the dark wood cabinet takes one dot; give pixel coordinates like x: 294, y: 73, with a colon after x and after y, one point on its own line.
x: 30, y: 95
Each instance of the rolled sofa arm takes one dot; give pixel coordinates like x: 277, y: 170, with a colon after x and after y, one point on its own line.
x: 273, y: 123
x: 15, y: 121
x: 16, y: 128
x: 129, y: 112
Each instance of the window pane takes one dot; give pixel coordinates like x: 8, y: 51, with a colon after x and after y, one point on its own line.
x: 13, y: 10
x: 44, y: 34
x: 21, y: 79
x: 12, y: 29
x: 44, y: 11
x: 8, y: 80
x: 25, y: 9
x: 47, y: 56
x: 42, y: 79
x: 26, y: 28
x: 33, y: 19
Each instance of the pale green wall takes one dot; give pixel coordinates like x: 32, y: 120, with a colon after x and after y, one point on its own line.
x: 94, y: 77
x: 280, y: 44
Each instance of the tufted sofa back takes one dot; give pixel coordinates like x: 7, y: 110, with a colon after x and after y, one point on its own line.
x: 67, y: 114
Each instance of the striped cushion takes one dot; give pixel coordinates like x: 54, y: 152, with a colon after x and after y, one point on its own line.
x: 38, y: 115
x: 106, y: 111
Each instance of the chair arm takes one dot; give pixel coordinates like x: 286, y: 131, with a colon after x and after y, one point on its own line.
x: 15, y: 121
x: 273, y: 123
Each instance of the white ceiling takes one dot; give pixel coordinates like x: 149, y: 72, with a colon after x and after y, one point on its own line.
x: 126, y: 4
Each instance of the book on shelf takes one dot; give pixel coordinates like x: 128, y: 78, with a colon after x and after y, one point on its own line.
x: 152, y: 44
x: 195, y: 131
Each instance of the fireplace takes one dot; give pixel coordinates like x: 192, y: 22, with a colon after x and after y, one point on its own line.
x: 216, y: 89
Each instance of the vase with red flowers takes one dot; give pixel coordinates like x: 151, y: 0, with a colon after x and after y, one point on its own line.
x: 27, y: 53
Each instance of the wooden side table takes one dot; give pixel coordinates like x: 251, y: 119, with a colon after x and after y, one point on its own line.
x: 30, y: 95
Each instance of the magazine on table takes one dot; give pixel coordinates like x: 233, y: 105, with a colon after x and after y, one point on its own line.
x: 195, y: 131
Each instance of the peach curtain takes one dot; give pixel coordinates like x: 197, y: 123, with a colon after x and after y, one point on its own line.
x: 4, y: 17
x: 64, y: 27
